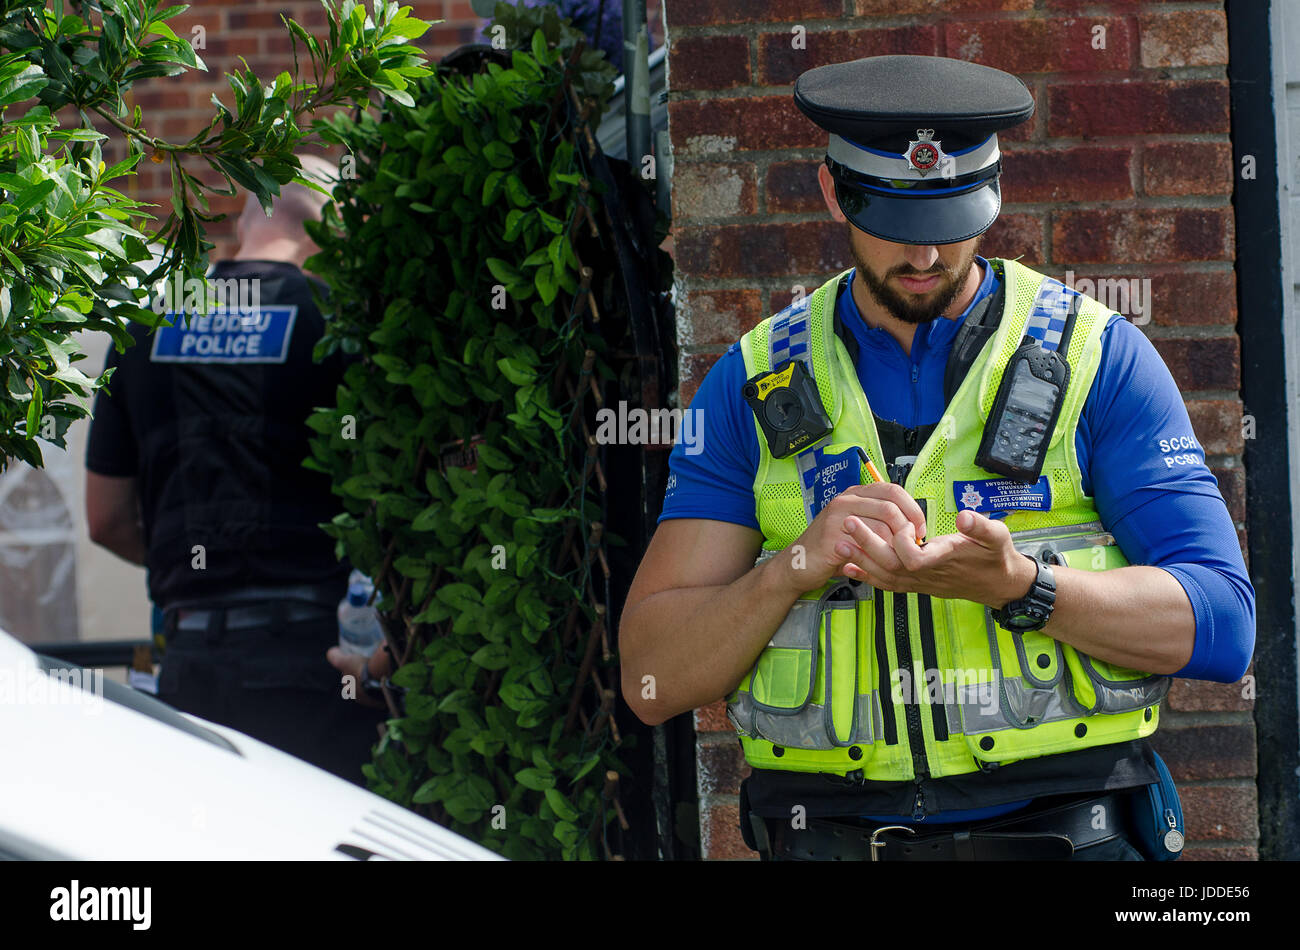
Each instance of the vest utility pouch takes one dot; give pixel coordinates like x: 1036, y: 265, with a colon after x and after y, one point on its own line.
x: 788, y: 408
x: 840, y: 662
x: 1020, y: 424
x: 1158, y: 817
x: 803, y: 688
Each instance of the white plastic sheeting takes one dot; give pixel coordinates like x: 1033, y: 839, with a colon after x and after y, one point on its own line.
x: 55, y: 584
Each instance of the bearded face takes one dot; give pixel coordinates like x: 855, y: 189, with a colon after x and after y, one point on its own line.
x: 911, y: 295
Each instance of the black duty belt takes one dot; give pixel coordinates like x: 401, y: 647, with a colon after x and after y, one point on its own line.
x: 1044, y: 835
x: 254, y: 607
x: 244, y: 618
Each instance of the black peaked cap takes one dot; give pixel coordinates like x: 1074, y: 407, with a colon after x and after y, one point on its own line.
x: 882, y: 100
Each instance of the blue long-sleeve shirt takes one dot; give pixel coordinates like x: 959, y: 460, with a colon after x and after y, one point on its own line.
x: 1138, y: 455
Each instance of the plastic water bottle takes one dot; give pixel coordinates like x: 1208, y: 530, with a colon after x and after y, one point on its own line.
x: 359, y: 629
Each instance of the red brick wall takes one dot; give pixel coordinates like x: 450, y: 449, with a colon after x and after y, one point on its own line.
x: 1124, y: 171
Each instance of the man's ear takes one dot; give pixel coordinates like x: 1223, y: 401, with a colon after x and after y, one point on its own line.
x: 828, y: 193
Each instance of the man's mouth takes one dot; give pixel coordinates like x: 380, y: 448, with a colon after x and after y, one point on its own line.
x: 919, y: 285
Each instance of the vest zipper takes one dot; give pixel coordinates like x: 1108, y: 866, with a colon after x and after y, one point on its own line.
x: 911, y: 706
x: 903, y: 649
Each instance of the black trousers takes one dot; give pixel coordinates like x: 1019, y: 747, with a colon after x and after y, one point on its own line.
x: 274, y: 684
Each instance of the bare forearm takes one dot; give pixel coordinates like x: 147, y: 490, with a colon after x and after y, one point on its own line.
x: 699, y: 642
x: 125, y: 540
x: 113, y: 515
x: 1137, y: 617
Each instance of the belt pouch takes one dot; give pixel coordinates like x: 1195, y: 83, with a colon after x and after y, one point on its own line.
x: 1158, y: 817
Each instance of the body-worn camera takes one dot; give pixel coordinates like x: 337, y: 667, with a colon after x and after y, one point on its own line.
x: 1024, y: 413
x: 788, y: 408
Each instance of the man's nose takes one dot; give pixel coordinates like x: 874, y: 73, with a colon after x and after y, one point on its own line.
x: 921, y: 256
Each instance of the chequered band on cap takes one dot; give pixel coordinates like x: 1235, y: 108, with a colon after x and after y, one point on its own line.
x: 976, y: 163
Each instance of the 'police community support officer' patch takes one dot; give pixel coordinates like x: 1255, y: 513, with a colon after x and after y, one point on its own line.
x: 260, y: 336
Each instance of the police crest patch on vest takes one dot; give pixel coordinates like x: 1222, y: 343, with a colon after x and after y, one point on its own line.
x: 1002, y: 494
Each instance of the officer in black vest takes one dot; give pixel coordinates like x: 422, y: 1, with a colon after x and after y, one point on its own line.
x: 195, y: 472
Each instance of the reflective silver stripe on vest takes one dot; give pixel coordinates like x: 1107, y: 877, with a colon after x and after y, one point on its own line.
x: 1047, y: 316
x: 810, y: 729
x: 981, y: 710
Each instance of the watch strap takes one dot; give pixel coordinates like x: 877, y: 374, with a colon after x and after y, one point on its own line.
x: 1041, y: 595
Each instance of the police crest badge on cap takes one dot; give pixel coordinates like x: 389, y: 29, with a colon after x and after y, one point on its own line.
x: 923, y: 153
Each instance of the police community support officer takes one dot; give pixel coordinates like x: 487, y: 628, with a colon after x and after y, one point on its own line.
x: 205, y: 424
x: 1034, y: 442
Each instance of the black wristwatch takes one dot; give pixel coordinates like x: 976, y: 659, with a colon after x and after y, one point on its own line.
x: 1032, y: 611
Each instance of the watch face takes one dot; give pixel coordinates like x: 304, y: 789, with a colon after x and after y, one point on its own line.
x: 1026, y: 617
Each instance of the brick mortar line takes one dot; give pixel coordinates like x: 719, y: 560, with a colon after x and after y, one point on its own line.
x: 1136, y: 203
x: 1171, y: 7
x: 1206, y: 844
x: 1211, y: 331
x: 1247, y: 780
x: 1063, y: 142
x: 798, y: 217
x: 1057, y: 79
x: 1221, y: 459
x: 1208, y: 718
x: 937, y: 19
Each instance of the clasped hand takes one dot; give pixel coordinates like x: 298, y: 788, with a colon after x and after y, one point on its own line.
x: 874, y: 533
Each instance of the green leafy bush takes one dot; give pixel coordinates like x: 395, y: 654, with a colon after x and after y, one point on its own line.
x: 73, y: 252
x: 454, y: 276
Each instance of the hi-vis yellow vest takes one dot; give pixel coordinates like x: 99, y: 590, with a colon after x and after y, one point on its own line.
x: 890, y: 687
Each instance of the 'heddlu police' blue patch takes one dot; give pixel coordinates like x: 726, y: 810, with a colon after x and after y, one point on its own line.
x: 1002, y: 494
x: 261, y: 336
x: 830, y: 476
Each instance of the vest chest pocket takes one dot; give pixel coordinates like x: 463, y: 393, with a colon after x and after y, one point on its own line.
x: 803, y: 688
